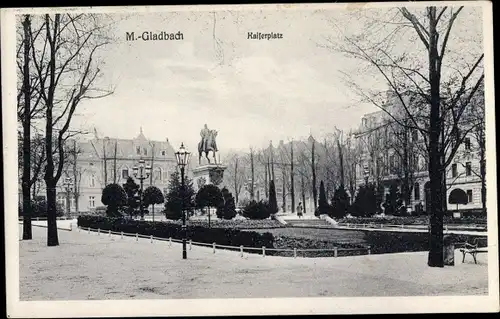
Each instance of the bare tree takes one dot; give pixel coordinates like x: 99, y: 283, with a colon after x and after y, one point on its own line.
x: 434, y: 103
x: 64, y: 57
x: 236, y: 174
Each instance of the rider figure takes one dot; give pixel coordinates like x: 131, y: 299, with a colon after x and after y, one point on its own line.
x: 204, y: 137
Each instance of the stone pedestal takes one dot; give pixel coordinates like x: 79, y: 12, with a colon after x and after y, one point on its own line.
x: 208, y: 174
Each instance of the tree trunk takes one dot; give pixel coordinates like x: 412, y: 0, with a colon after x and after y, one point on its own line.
x: 313, y: 167
x: 114, y: 162
x: 283, y: 194
x: 435, y: 258
x: 252, y: 176
x: 27, y: 232
x: 266, y: 183
x: 341, y: 161
x: 292, y: 186
x: 50, y: 182
x: 52, y: 237
x: 236, y: 192
x: 303, y: 190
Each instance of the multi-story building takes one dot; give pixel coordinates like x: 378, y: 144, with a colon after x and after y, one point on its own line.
x: 391, y: 152
x: 103, y: 160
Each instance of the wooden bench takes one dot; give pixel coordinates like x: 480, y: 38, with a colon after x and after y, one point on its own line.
x: 473, y: 248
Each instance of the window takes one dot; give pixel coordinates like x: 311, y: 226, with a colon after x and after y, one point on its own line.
x: 125, y: 173
x: 469, y: 195
x: 163, y: 153
x: 138, y: 150
x: 91, y: 201
x: 454, y: 171
x: 467, y: 144
x: 468, y: 169
x: 92, y: 181
x: 145, y: 151
x: 158, y: 174
x: 417, y: 191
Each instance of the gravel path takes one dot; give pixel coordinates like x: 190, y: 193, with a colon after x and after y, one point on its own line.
x: 87, y: 266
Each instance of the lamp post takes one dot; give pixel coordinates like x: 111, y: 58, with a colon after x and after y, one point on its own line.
x: 182, y: 156
x: 141, y: 172
x: 68, y: 183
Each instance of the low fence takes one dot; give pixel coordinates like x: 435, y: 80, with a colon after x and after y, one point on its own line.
x: 412, y: 226
x: 45, y: 218
x: 241, y: 249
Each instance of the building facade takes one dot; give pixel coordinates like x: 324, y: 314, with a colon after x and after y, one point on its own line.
x: 391, y: 152
x: 102, y: 161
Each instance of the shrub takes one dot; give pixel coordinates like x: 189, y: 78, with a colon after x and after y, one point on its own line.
x: 209, y: 196
x: 365, y: 203
x: 39, y: 208
x: 323, y: 207
x: 152, y: 196
x: 340, y: 203
x: 393, y: 201
x: 132, y: 190
x: 178, y: 198
x: 114, y: 197
x: 221, y: 236
x: 227, y: 209
x: 257, y: 210
x: 273, y: 203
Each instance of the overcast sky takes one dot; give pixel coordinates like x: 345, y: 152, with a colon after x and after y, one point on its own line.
x: 251, y: 91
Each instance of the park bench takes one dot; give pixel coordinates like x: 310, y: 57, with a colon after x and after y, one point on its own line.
x: 473, y: 248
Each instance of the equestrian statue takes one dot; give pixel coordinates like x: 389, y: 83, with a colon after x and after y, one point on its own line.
x: 207, y: 144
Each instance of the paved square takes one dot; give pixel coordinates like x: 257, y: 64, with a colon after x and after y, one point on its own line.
x: 87, y: 266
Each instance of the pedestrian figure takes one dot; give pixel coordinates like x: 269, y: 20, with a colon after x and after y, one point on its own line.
x: 300, y: 210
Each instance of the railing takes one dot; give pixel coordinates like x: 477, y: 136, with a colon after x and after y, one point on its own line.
x: 412, y: 226
x: 45, y: 218
x: 241, y: 249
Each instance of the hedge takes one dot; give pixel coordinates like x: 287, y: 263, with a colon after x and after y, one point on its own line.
x: 234, y: 224
x: 413, y: 220
x: 221, y: 236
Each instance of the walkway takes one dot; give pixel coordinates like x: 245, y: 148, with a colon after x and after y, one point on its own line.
x: 91, y: 266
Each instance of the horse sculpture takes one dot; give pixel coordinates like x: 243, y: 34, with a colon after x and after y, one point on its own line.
x: 208, y: 145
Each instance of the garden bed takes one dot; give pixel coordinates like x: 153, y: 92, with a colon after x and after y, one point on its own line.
x: 232, y: 224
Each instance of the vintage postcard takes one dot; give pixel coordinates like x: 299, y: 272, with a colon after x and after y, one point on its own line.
x: 250, y: 159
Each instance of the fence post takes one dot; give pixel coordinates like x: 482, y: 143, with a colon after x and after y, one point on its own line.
x: 38, y: 218
x: 190, y: 244
x: 213, y: 245
x: 151, y: 236
x: 109, y: 233
x: 263, y: 251
x: 369, y: 250
x: 241, y: 251
x: 295, y: 253
x: 170, y: 241
x: 78, y: 229
x: 402, y: 226
x: 71, y: 226
x: 88, y: 230
x: 136, y: 237
x: 335, y: 251
x: 446, y: 227
x: 121, y: 235
x: 98, y: 232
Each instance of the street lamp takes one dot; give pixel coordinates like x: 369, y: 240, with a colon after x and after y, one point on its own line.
x: 68, y: 183
x: 141, y: 172
x: 182, y: 156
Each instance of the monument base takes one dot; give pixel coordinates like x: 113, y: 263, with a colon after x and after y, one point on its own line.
x: 208, y: 174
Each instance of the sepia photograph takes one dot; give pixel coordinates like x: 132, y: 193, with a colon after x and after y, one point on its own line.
x: 250, y: 159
